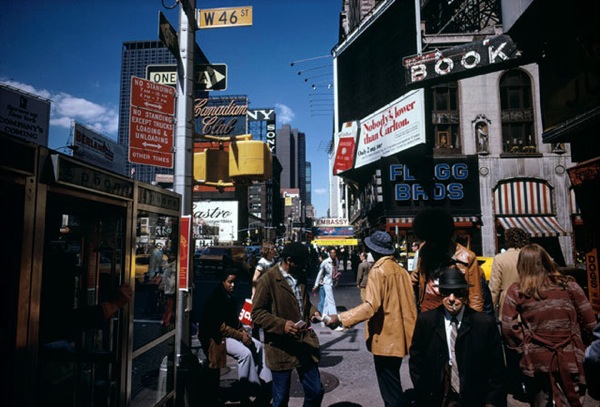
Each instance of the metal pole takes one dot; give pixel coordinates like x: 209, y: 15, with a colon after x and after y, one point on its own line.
x: 182, y: 178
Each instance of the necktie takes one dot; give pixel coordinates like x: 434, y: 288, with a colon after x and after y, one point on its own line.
x: 454, y: 378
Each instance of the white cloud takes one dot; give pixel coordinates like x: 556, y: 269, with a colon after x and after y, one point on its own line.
x: 66, y: 108
x: 284, y: 113
x: 320, y: 191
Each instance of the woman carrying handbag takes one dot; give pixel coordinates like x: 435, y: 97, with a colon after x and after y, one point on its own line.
x: 546, y: 318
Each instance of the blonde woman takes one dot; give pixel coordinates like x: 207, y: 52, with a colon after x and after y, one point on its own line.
x: 267, y: 260
x: 545, y: 318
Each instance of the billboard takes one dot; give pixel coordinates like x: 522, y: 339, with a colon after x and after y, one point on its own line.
x: 393, y: 128
x: 93, y: 148
x: 344, y: 156
x: 221, y: 214
x: 24, y: 115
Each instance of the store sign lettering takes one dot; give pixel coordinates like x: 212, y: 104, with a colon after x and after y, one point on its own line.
x: 442, y: 190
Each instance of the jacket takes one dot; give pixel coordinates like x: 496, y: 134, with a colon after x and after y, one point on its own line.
x: 389, y: 307
x: 273, y: 304
x: 549, y: 334
x: 466, y: 261
x: 362, y: 274
x: 478, y: 353
x: 504, y: 273
x: 219, y: 320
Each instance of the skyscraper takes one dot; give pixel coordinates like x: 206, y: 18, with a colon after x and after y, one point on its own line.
x: 291, y: 152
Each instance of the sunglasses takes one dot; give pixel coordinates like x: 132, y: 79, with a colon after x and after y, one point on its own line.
x: 458, y: 292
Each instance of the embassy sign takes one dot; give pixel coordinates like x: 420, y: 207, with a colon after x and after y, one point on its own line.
x: 459, y: 60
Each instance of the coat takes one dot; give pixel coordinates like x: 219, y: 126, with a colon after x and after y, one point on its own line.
x: 219, y: 320
x: 547, y: 333
x: 467, y: 263
x: 504, y: 273
x: 273, y: 304
x: 389, y: 307
x: 478, y: 352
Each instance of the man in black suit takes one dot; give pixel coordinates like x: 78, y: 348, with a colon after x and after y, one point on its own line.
x: 475, y: 349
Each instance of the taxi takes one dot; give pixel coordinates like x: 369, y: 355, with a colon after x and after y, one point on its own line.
x: 486, y: 265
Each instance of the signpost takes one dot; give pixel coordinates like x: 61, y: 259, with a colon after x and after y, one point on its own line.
x: 224, y: 17
x: 206, y: 77
x: 168, y: 35
x: 151, y: 127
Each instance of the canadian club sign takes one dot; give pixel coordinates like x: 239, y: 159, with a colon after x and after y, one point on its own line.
x: 456, y: 60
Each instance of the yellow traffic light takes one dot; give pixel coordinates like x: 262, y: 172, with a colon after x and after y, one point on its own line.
x: 210, y: 166
x: 250, y: 160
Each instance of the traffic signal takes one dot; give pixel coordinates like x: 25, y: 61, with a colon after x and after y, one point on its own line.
x: 211, y: 166
x: 250, y: 160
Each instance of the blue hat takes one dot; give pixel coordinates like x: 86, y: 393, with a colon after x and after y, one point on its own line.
x: 380, y: 242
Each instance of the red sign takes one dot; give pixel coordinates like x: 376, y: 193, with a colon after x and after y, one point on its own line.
x: 344, y: 156
x: 150, y: 138
x: 184, y: 251
x: 151, y: 127
x: 152, y: 96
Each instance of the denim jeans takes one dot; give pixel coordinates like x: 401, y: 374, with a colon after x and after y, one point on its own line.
x: 310, y: 378
x: 321, y: 299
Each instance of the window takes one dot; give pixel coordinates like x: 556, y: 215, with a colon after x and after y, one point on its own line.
x: 445, y: 118
x: 517, y: 113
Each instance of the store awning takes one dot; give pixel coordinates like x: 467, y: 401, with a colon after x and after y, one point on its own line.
x: 536, y: 226
x: 406, y: 222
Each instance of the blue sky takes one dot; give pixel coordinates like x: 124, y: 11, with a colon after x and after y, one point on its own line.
x: 69, y: 51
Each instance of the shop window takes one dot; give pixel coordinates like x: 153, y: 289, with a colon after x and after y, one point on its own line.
x: 517, y: 113
x: 445, y: 118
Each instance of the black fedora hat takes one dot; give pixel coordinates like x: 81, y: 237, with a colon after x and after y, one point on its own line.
x: 380, y: 242
x: 452, y: 278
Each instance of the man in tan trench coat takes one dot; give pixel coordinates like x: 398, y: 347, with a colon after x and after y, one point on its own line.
x: 391, y: 313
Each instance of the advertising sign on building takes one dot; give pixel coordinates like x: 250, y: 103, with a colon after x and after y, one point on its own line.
x: 267, y: 116
x: 344, y: 156
x: 455, y: 185
x: 221, y: 214
x: 24, y: 115
x: 393, y: 128
x: 93, y: 148
x: 220, y: 116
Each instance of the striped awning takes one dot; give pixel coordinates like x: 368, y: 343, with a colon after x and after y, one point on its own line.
x: 536, y: 226
x: 523, y: 197
x: 406, y: 222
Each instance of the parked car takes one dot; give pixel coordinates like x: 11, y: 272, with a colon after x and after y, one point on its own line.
x: 214, y: 259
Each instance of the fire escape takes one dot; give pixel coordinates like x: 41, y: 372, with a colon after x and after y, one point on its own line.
x: 457, y: 20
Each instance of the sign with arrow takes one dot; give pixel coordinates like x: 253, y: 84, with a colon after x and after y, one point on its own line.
x: 211, y: 77
x: 206, y: 76
x: 151, y: 124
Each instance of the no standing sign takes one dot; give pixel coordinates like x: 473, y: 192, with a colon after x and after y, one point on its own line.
x: 151, y: 124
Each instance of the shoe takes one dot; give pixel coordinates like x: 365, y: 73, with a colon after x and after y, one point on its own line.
x: 339, y: 328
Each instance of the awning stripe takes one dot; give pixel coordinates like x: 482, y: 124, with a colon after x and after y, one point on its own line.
x: 536, y: 226
x: 523, y: 198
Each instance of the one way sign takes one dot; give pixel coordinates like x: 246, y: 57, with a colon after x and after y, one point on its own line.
x: 211, y: 77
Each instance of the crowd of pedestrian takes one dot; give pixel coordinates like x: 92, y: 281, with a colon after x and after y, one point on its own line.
x: 530, y: 332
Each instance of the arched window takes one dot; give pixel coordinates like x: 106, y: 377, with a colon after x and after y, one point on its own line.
x: 445, y: 118
x: 517, y: 113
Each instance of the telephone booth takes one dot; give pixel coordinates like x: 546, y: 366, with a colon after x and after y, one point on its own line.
x: 72, y: 235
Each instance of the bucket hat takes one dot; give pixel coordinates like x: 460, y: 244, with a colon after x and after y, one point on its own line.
x: 380, y: 242
x: 452, y: 278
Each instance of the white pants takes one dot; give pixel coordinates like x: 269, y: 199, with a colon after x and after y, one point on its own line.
x: 251, y: 363
x: 329, y: 307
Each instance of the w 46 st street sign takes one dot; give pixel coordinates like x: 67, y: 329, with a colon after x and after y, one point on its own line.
x: 206, y: 77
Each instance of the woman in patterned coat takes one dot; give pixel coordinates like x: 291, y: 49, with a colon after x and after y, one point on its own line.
x: 546, y: 318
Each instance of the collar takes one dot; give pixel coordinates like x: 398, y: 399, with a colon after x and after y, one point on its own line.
x: 458, y: 316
